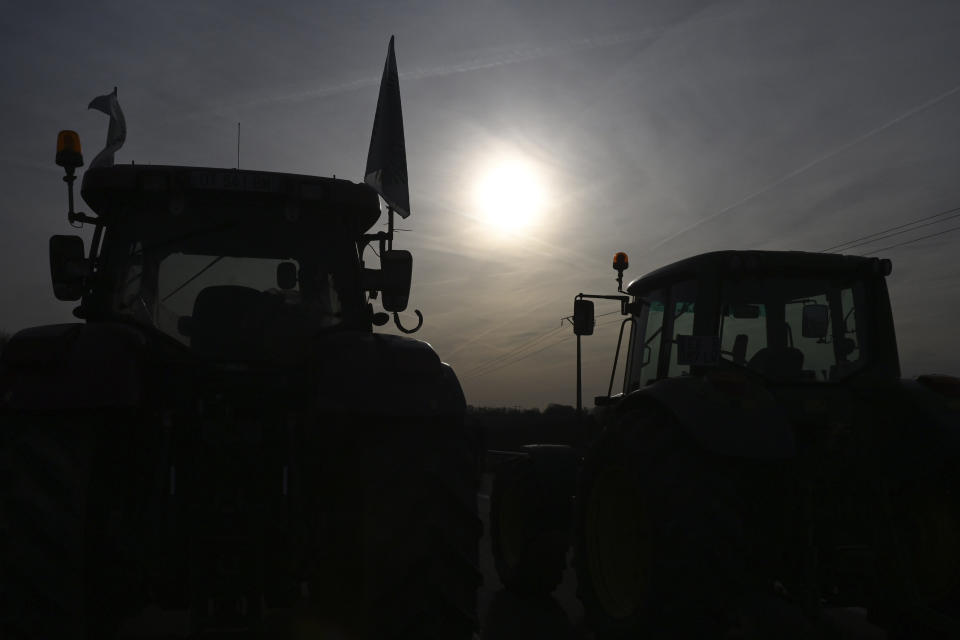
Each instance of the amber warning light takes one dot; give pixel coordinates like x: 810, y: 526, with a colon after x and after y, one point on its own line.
x: 69, y: 154
x: 620, y: 262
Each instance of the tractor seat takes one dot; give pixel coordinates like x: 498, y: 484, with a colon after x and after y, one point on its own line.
x: 227, y: 322
x: 778, y: 363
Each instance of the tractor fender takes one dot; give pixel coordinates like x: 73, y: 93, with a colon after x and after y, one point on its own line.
x: 381, y: 374
x: 937, y: 401
x: 555, y: 466
x: 73, y: 366
x: 729, y: 416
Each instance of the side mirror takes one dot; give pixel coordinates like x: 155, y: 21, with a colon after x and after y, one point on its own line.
x: 583, y: 317
x: 287, y: 275
x: 68, y: 267
x: 396, y: 266
x: 745, y: 311
x: 816, y: 321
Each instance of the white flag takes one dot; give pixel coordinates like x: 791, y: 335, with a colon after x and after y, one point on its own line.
x: 116, y: 132
x: 387, y: 158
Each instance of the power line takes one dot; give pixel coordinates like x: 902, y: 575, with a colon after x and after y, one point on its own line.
x: 522, y: 347
x: 512, y: 355
x: 844, y: 246
x: 517, y: 354
x: 478, y: 370
x: 511, y: 352
x: 476, y: 374
x: 608, y: 313
x: 523, y: 357
x: 901, y: 232
x: 900, y: 244
x: 816, y: 161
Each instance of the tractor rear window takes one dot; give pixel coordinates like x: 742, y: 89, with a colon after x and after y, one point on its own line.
x: 792, y: 329
x: 228, y: 287
x: 193, y: 286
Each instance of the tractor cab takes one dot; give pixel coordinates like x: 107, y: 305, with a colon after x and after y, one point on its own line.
x: 230, y: 263
x: 775, y: 317
x: 784, y: 317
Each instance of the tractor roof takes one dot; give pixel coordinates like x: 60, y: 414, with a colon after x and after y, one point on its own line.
x: 779, y: 262
x: 111, y: 191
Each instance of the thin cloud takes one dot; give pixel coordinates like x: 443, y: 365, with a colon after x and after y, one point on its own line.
x: 803, y: 169
x: 487, y: 60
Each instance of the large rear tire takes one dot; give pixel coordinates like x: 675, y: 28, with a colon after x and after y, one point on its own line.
x: 398, y: 535
x: 422, y: 538
x: 660, y: 542
x: 58, y: 573
x: 918, y: 590
x: 529, y: 543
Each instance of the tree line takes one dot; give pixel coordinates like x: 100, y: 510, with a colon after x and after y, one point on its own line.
x: 508, y: 429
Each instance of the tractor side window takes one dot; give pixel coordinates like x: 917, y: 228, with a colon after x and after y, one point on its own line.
x: 818, y: 354
x: 648, y: 331
x: 847, y: 347
x: 743, y: 331
x: 763, y: 327
x: 850, y: 325
x: 132, y: 296
x: 682, y: 297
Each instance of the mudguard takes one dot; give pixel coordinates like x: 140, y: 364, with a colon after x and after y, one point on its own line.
x: 555, y: 466
x: 381, y: 374
x: 937, y: 401
x: 72, y: 366
x: 726, y: 415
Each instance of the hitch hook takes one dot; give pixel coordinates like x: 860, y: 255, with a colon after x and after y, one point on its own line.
x: 396, y: 321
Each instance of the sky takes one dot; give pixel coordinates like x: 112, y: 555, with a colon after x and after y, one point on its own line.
x: 662, y: 128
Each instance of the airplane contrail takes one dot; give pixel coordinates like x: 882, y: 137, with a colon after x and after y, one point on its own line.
x: 488, y: 60
x: 827, y: 156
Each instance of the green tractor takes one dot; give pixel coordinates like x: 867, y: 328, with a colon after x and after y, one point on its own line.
x: 222, y: 444
x: 762, y: 455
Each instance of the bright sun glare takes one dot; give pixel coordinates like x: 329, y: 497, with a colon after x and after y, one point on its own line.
x: 509, y: 196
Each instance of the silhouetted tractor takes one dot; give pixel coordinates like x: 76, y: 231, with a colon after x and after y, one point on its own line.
x: 223, y: 445
x: 762, y: 459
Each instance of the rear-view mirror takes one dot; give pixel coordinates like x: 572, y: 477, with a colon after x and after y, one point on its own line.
x: 747, y: 311
x: 68, y: 267
x: 396, y: 267
x: 287, y: 275
x: 816, y: 321
x: 583, y: 317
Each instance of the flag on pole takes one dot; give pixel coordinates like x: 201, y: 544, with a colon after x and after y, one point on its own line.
x: 387, y: 159
x: 116, y: 132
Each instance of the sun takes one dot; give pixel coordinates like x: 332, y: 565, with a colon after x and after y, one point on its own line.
x: 509, y: 196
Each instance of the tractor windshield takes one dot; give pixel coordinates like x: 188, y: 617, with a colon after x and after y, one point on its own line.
x: 793, y: 328
x: 200, y: 282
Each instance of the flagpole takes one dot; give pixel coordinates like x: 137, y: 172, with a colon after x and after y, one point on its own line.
x: 389, y: 227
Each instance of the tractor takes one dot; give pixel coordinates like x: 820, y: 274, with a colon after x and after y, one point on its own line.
x: 221, y: 444
x: 762, y: 455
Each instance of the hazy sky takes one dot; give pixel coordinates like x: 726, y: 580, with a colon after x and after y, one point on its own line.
x: 660, y: 128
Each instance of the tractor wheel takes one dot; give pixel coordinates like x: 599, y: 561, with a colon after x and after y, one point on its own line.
x: 57, y: 579
x: 529, y: 543
x: 920, y: 559
x: 660, y: 544
x: 421, y: 534
x: 395, y: 533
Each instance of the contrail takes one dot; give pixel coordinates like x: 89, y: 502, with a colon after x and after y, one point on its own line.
x: 827, y: 156
x: 487, y: 61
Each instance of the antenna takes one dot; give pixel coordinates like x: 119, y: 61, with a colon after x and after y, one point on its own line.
x: 238, y: 144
